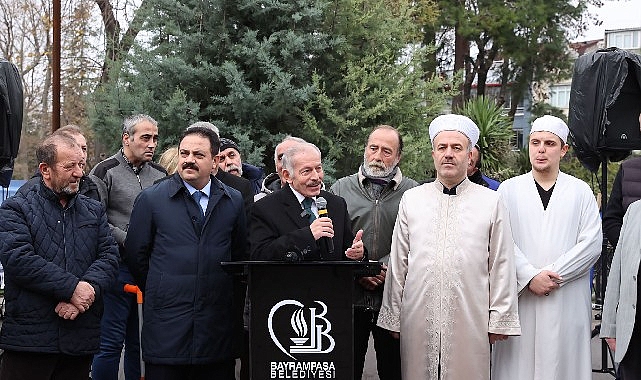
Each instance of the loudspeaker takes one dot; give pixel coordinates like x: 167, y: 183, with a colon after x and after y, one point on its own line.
x: 622, y: 118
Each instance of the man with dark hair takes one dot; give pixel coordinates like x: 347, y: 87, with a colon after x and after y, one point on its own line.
x: 186, y: 225
x: 557, y: 238
x: 120, y: 178
x: 474, y: 170
x: 372, y: 195
x: 59, y: 259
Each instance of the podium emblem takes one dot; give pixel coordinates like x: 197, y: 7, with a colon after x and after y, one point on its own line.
x: 310, y: 332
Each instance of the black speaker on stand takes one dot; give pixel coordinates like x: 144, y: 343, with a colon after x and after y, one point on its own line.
x: 605, y: 104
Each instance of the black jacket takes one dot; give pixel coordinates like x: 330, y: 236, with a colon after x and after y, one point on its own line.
x: 87, y: 187
x: 626, y: 189
x: 46, y: 250
x: 241, y: 184
x: 11, y: 109
x: 277, y: 227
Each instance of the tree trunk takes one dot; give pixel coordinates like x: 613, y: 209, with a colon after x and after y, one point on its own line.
x: 461, y: 51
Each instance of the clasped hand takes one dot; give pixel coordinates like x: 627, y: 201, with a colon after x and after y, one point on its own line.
x: 545, y: 283
x: 371, y: 283
x: 83, y: 296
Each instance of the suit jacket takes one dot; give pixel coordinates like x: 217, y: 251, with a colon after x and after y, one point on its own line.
x: 241, y: 184
x: 620, y: 303
x: 277, y: 227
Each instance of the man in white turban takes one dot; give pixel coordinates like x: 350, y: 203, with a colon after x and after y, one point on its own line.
x: 557, y: 235
x: 450, y: 289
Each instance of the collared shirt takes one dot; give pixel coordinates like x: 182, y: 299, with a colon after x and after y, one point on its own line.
x: 204, y: 200
x: 451, y: 191
x: 300, y: 197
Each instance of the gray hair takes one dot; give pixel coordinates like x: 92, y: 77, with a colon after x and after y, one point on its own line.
x: 205, y: 124
x: 129, y: 124
x: 287, y: 138
x: 291, y: 153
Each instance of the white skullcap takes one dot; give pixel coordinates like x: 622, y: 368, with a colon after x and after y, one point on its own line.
x: 549, y: 123
x: 453, y: 122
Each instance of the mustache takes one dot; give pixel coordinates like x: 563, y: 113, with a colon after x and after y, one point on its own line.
x: 190, y: 165
x: 377, y: 165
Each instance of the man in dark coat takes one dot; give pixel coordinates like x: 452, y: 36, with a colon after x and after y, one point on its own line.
x: 288, y: 222
x: 59, y: 258
x: 186, y: 225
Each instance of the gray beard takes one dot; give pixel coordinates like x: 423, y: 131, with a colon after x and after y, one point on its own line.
x: 377, y: 172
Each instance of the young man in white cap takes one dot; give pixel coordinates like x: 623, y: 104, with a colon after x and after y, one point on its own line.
x: 557, y: 235
x: 450, y: 288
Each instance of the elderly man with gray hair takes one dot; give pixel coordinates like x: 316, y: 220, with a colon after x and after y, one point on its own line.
x: 288, y: 220
x: 450, y: 289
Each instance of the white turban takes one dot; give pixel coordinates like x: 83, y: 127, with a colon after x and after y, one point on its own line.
x: 452, y: 122
x: 549, y: 123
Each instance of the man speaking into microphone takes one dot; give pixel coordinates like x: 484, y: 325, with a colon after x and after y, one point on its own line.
x: 294, y: 220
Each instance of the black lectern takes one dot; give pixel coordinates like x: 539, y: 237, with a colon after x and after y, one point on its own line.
x: 301, y: 317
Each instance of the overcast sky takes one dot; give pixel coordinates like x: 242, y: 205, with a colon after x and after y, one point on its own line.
x: 615, y: 14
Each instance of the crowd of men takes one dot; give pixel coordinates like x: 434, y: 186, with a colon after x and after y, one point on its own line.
x: 463, y: 267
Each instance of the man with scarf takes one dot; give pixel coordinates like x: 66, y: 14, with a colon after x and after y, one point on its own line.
x: 372, y: 195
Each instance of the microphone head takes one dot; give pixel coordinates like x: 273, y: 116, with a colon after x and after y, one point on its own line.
x: 321, y: 203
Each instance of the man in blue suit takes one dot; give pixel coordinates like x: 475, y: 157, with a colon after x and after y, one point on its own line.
x: 181, y: 229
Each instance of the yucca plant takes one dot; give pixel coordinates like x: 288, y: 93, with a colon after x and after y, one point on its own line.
x: 495, y: 136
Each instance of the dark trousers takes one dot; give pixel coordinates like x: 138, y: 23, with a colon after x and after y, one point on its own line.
x: 118, y: 327
x: 388, y: 349
x: 18, y: 365
x: 244, y: 357
x: 215, y: 371
x: 630, y: 366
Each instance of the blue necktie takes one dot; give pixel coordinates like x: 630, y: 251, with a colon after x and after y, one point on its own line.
x: 197, y: 196
x: 307, y: 206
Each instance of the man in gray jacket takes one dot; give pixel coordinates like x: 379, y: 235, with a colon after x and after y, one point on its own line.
x: 120, y: 178
x: 372, y: 195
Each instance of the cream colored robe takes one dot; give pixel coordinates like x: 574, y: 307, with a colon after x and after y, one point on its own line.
x: 450, y: 281
x: 566, y: 238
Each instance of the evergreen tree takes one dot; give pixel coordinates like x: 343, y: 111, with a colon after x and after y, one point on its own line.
x: 243, y: 65
x: 375, y: 77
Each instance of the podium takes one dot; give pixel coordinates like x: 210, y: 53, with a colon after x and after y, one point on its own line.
x: 301, y: 320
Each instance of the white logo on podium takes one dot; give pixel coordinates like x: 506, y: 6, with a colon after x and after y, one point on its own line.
x: 310, y: 337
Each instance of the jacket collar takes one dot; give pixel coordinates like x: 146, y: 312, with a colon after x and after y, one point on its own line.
x: 177, y: 186
x: 51, y: 196
x: 396, y: 180
x: 460, y: 188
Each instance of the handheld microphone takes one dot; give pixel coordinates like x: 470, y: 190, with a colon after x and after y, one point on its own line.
x: 327, y: 244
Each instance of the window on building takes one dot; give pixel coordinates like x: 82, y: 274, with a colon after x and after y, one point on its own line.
x: 560, y: 96
x: 517, y: 141
x: 629, y: 39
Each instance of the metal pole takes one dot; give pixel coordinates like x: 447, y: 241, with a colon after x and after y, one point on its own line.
x: 55, y: 67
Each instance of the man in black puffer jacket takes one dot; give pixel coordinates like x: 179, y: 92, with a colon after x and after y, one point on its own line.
x: 59, y: 256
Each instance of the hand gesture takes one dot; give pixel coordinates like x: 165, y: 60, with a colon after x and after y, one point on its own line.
x: 356, y: 251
